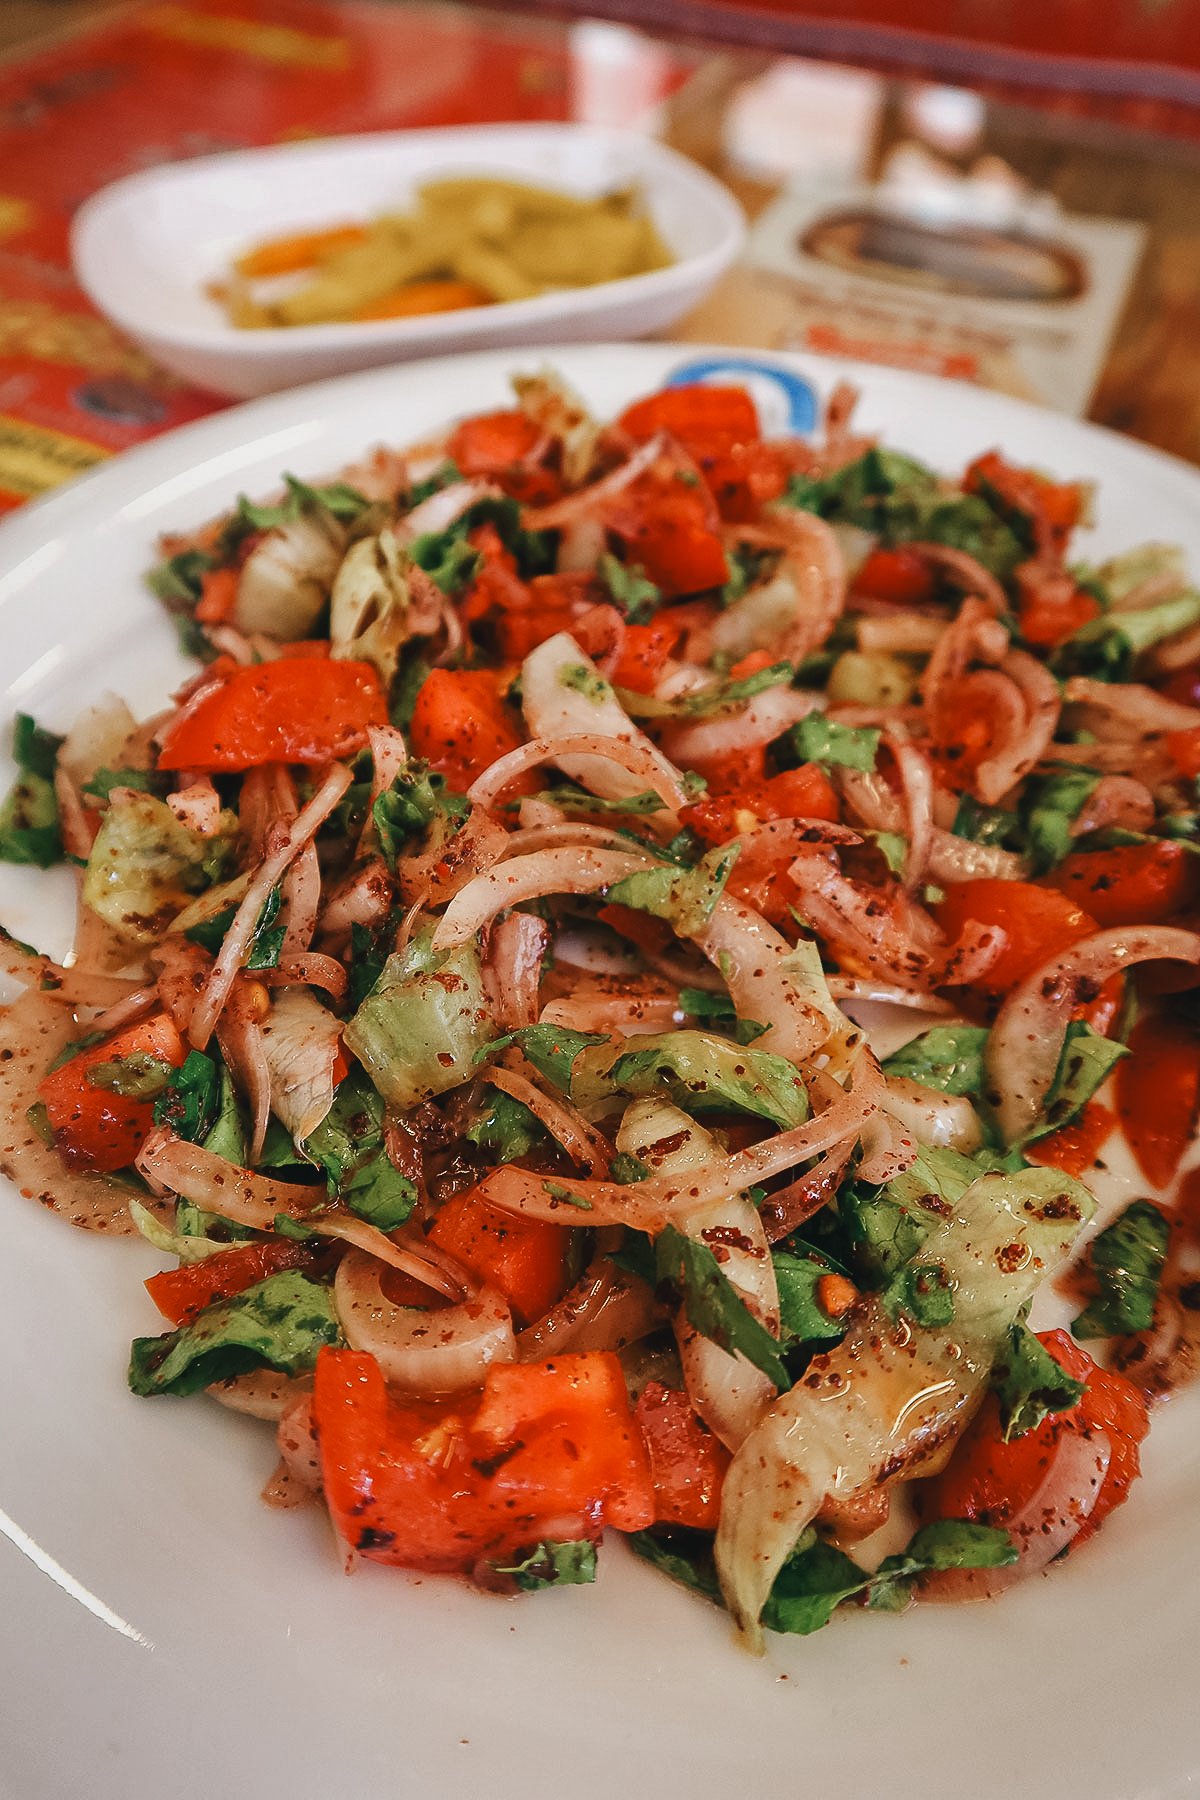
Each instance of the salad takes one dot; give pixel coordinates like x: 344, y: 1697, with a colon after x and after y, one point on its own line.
x: 489, y: 976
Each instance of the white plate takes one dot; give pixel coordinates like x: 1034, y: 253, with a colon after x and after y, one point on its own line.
x: 162, y: 1634
x: 146, y: 248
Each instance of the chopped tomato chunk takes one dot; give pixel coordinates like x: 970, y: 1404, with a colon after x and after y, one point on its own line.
x: 180, y: 1294
x: 548, y: 1450
x: 1158, y: 1093
x: 497, y: 447
x: 460, y: 724
x: 803, y: 793
x: 901, y: 574
x: 1074, y: 1148
x: 297, y: 709
x: 526, y: 1260
x: 95, y: 1128
x: 994, y: 1483
x: 1133, y: 884
x: 687, y: 1463
x: 1038, y: 922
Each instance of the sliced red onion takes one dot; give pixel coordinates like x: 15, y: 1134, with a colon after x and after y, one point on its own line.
x: 236, y: 946
x: 240, y: 1037
x: 436, y: 875
x: 575, y: 870
x: 1025, y: 1043
x: 616, y: 1015
x: 261, y: 1393
x: 793, y: 611
x: 650, y: 1205
x: 973, y: 636
x: 1129, y: 708
x: 563, y: 695
x: 607, y: 1309
x: 512, y: 968
x: 422, y: 1352
x: 904, y: 632
x: 632, y: 754
x: 301, y: 1040
x: 364, y: 897
x: 954, y: 859
x: 1005, y: 766
x: 310, y: 970
x: 1045, y: 1525
x: 198, y: 806
x: 1116, y: 801
x: 943, y: 1121
x: 441, y: 510
x: 75, y: 987
x: 757, y: 722
x: 965, y: 572
x: 565, y: 1123
x: 589, y: 502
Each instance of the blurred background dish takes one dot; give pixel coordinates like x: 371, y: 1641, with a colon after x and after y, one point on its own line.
x: 147, y: 249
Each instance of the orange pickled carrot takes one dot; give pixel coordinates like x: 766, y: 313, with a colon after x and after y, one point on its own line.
x: 416, y: 297
x: 287, y: 255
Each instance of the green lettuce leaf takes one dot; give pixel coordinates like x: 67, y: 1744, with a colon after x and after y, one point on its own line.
x: 819, y: 739
x: 1108, y: 648
x: 280, y: 1323
x: 266, y: 940
x: 348, y: 1147
x: 1086, y: 1062
x: 420, y: 1028
x: 698, y: 1073
x: 685, y: 898
x: 418, y: 804
x: 802, y: 1318
x: 717, y: 1010
x: 1030, y: 1384
x: 713, y: 1305
x: 551, y: 1049
x: 1050, y: 807
x: 505, y: 1127
x: 29, y: 825
x: 1127, y: 1260
x: 628, y: 587
x: 948, y: 1058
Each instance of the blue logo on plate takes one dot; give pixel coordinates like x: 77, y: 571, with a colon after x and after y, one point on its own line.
x: 785, y: 400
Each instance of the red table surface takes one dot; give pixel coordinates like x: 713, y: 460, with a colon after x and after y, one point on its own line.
x: 167, y: 81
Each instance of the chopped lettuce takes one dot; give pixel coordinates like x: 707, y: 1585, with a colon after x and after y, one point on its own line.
x: 178, y: 580
x: 200, y: 1104
x: 280, y: 1323
x: 145, y: 865
x: 348, y: 1146
x: 685, y: 898
x: 948, y: 1058
x: 1050, y: 807
x: 718, y: 1011
x: 337, y: 498
x: 418, y: 803
x: 504, y: 1127
x: 453, y: 563
x: 189, y: 1247
x: 821, y: 740
x: 551, y: 1049
x: 1108, y: 648
x: 981, y: 824
x: 1127, y: 1260
x: 1030, y: 1384
x: 266, y: 940
x: 802, y: 1318
x: 698, y: 1073
x: 713, y: 1306
x: 817, y: 1577
x: 629, y: 588
x: 418, y: 1031
x: 29, y: 825
x: 1086, y: 1061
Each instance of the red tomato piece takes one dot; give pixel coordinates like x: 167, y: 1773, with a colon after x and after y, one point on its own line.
x: 644, y: 653
x: 1185, y: 749
x: 1038, y: 922
x: 1052, y: 611
x: 667, y: 521
x: 297, y: 709
x: 901, y: 574
x: 218, y: 596
x: 496, y: 446
x: 526, y: 1260
x: 803, y: 793
x: 687, y: 1463
x: 93, y: 1127
x: 1074, y: 1148
x: 1134, y: 884
x: 460, y: 724
x: 180, y: 1294
x: 993, y: 1482
x: 548, y: 1450
x: 651, y: 935
x: 1053, y: 508
x: 702, y: 413
x: 1158, y: 1093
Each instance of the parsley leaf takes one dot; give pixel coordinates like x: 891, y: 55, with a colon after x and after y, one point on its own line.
x: 553, y: 1564
x: 29, y: 826
x: 685, y: 898
x: 281, y: 1323
x: 630, y: 588
x: 713, y: 1305
x: 1127, y: 1260
x: 819, y: 739
x: 506, y: 1127
x: 1030, y: 1384
x: 948, y: 1058
x: 551, y: 1049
